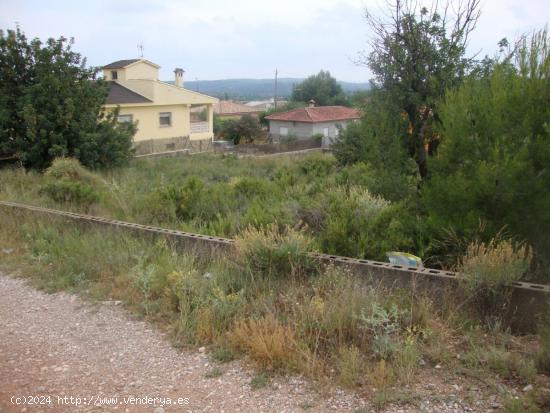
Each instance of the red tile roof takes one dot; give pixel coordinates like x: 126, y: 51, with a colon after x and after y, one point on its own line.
x: 317, y: 114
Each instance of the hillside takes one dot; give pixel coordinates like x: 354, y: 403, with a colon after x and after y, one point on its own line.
x: 257, y: 88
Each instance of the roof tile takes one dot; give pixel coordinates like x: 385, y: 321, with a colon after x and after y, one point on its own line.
x: 317, y: 114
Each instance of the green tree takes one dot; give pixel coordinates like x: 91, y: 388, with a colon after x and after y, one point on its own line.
x: 51, y: 106
x: 375, y: 143
x: 322, y: 88
x: 246, y: 128
x: 493, y: 161
x: 417, y: 54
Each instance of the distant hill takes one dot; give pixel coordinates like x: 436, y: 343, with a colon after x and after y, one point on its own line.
x: 250, y: 89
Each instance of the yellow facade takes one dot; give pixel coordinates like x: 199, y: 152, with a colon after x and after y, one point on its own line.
x: 165, y: 101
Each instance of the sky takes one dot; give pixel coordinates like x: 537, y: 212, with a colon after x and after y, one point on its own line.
x: 217, y: 39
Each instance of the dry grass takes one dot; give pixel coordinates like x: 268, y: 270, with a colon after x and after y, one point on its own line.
x: 496, y: 264
x: 266, y: 341
x: 274, y: 251
x: 351, y: 366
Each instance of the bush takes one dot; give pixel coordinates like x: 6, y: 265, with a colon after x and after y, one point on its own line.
x: 67, y: 192
x: 494, y: 265
x: 351, y: 366
x: 488, y: 270
x: 67, y: 181
x: 317, y: 165
x: 270, y: 251
x: 267, y: 342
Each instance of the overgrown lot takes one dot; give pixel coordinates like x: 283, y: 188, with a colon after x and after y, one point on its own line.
x: 271, y: 304
x: 223, y: 195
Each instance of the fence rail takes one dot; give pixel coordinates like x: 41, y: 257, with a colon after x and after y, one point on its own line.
x: 530, y: 300
x: 199, y: 127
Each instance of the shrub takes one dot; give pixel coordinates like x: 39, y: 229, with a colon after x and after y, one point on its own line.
x: 68, y: 182
x: 70, y: 169
x: 269, y: 343
x: 350, y: 365
x: 383, y: 324
x: 317, y: 165
x: 67, y: 192
x: 488, y: 270
x: 271, y: 251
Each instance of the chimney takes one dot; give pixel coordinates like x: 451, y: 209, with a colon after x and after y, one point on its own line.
x: 311, y: 103
x: 179, y: 77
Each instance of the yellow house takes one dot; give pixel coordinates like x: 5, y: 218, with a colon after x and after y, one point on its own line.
x: 162, y: 110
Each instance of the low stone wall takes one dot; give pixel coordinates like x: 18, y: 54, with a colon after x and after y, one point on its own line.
x: 178, y: 143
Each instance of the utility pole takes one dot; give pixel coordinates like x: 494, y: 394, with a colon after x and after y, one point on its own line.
x: 140, y: 50
x: 275, y: 97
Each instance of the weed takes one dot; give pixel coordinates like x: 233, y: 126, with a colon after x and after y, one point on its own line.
x: 213, y: 373
x: 269, y: 343
x: 259, y: 381
x: 543, y: 355
x: 350, y: 366
x: 223, y: 355
x: 488, y: 270
x: 272, y: 252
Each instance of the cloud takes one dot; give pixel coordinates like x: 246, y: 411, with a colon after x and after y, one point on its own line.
x: 214, y: 39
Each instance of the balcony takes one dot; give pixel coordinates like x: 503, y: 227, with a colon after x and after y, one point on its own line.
x: 199, y: 127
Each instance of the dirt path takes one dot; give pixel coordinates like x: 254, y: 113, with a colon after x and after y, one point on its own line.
x: 57, y: 345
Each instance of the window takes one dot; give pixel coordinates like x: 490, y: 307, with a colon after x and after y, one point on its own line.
x: 165, y: 119
x: 325, y: 132
x: 283, y: 131
x: 114, y: 75
x: 125, y: 118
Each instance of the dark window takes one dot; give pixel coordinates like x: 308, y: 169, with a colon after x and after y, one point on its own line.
x: 125, y: 118
x: 165, y: 119
x: 114, y: 75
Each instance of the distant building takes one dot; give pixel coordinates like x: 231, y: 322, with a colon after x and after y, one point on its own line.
x: 162, y: 110
x: 303, y: 123
x: 228, y: 109
x: 264, y: 105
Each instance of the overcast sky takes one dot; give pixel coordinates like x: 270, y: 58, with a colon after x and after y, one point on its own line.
x: 217, y: 39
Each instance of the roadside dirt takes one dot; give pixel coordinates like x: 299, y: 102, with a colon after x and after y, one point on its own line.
x: 57, y: 346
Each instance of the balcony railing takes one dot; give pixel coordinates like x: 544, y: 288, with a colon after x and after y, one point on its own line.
x: 199, y: 127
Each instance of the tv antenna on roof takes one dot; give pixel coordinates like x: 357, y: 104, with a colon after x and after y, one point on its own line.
x: 140, y: 49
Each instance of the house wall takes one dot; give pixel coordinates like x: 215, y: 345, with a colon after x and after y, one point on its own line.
x: 149, y: 127
x: 297, y: 129
x: 140, y: 70
x: 149, y: 124
x: 303, y: 130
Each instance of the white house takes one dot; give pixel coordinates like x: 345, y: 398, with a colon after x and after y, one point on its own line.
x: 303, y: 123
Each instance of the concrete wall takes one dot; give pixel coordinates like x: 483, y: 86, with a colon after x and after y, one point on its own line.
x: 177, y: 143
x: 304, y: 130
x: 299, y: 130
